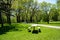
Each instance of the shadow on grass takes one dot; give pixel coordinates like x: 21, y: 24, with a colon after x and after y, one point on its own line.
x: 5, y: 29
x: 36, y: 31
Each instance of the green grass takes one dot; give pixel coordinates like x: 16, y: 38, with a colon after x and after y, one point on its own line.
x: 46, y: 34
x: 57, y: 23
x: 54, y: 24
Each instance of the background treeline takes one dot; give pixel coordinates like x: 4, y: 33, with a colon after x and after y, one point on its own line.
x: 16, y: 11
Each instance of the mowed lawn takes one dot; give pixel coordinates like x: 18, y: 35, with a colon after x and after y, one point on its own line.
x: 23, y: 34
x: 57, y: 23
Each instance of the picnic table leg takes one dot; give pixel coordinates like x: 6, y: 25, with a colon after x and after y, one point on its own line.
x: 33, y: 28
x: 39, y: 30
x: 29, y: 30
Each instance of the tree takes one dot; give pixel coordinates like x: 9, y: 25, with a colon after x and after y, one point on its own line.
x: 1, y: 10
x: 58, y: 8
x: 7, y: 7
x: 45, y: 7
x: 1, y: 21
x: 23, y: 9
x: 54, y: 13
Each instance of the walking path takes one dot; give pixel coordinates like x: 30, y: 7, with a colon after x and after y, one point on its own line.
x: 44, y: 25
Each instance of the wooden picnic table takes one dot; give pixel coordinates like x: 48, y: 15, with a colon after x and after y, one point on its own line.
x: 33, y: 28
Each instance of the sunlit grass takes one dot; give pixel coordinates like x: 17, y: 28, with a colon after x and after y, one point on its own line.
x: 46, y: 34
x: 54, y: 23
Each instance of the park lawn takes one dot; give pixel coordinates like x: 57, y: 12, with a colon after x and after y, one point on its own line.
x: 54, y: 24
x: 57, y: 23
x: 23, y: 34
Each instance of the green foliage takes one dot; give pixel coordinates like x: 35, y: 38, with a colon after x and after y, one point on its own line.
x: 54, y: 13
x: 32, y: 11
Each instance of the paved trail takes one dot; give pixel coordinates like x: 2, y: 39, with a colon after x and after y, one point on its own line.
x: 44, y: 25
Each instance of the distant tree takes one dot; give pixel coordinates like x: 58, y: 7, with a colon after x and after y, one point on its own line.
x: 58, y: 8
x: 58, y: 4
x: 45, y: 7
x: 54, y: 13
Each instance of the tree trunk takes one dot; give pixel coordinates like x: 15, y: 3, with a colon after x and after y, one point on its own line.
x: 32, y: 15
x: 8, y: 11
x: 18, y: 19
x: 31, y: 19
x: 47, y: 17
x: 1, y: 20
x: 8, y: 18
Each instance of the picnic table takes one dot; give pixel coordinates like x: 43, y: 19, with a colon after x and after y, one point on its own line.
x: 32, y: 28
